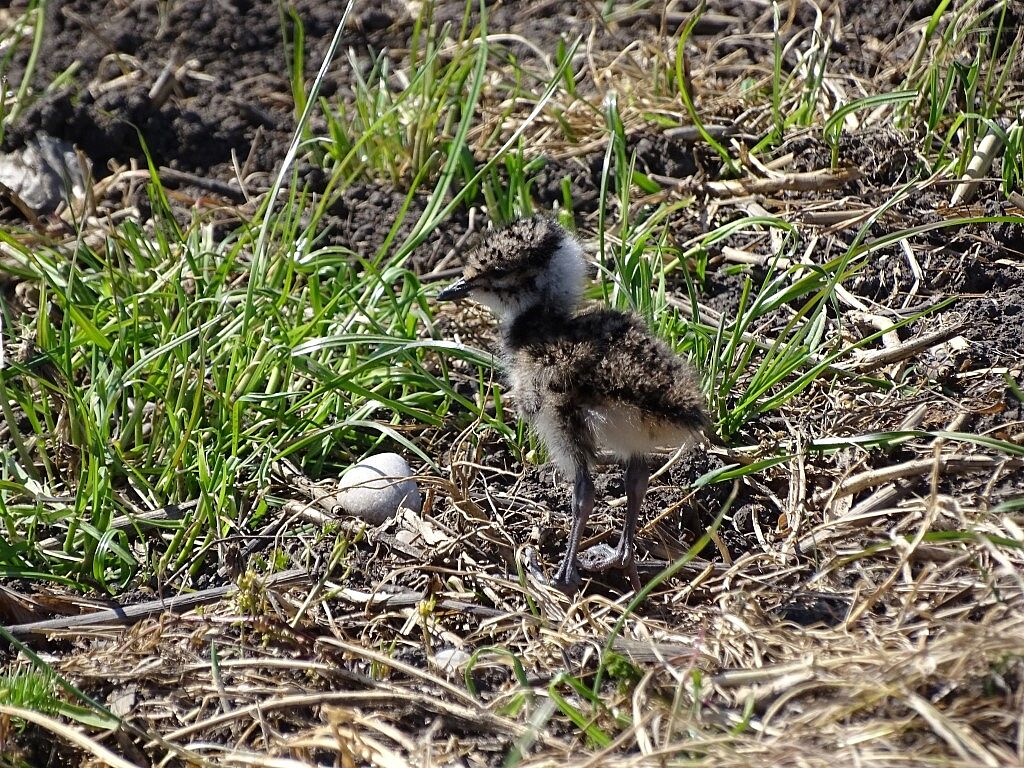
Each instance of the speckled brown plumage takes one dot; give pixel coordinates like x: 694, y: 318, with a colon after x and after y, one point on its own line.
x: 586, y: 380
x: 525, y: 245
x: 601, y: 356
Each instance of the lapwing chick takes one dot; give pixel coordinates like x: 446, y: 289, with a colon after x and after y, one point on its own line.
x: 586, y: 379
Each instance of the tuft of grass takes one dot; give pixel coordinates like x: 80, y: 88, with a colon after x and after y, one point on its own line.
x: 185, y: 390
x: 37, y: 689
x: 960, y: 71
x: 395, y: 122
x: 29, y: 689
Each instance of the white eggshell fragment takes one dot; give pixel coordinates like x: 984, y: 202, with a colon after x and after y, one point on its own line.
x: 451, y: 660
x: 42, y: 172
x: 377, y: 486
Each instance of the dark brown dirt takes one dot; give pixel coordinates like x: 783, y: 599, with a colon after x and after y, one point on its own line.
x: 217, y: 110
x: 236, y: 95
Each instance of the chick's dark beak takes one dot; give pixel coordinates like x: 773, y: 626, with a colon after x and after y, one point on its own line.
x: 457, y: 290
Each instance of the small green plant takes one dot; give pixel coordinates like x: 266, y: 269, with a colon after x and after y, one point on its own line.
x: 622, y: 670
x: 1013, y: 157
x: 729, y: 166
x: 401, y: 126
x: 29, y: 689
x: 37, y: 689
x: 960, y: 71
x: 251, y: 599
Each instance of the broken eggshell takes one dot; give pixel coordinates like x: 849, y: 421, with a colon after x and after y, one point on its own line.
x: 43, y: 173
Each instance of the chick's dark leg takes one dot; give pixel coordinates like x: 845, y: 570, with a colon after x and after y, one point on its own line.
x: 638, y: 473
x: 602, y: 557
x: 567, y: 577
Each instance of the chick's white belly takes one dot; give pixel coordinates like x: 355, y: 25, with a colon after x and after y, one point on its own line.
x: 626, y: 431
x: 623, y: 431
x: 619, y: 428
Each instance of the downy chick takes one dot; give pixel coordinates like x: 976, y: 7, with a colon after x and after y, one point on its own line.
x: 585, y: 380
